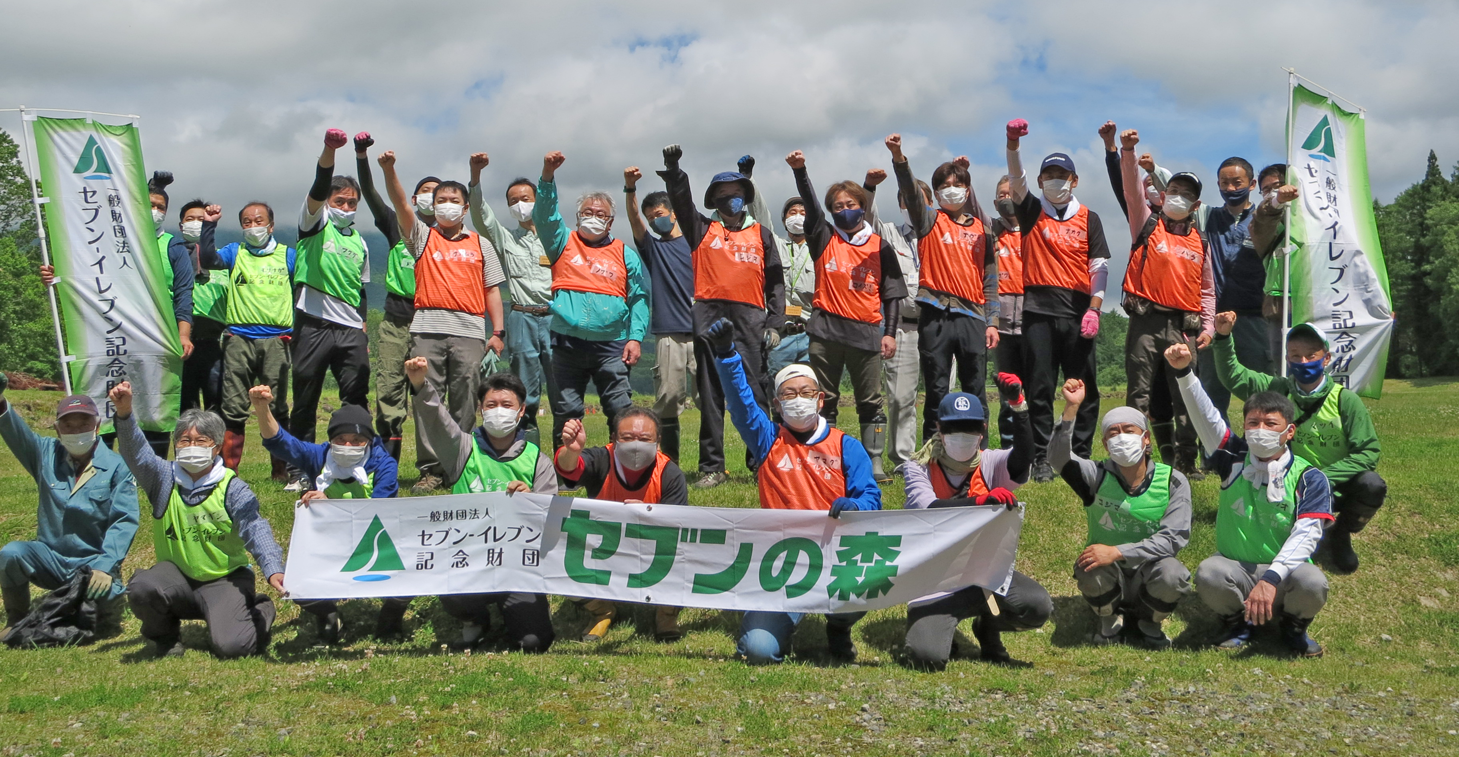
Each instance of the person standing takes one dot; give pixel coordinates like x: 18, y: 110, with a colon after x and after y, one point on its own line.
x: 1065, y: 259
x: 792, y: 344
x: 902, y: 375
x: 1009, y: 356
x: 202, y: 371
x: 738, y: 276
x: 329, y: 327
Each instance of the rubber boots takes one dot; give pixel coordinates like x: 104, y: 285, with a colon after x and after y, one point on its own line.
x: 603, y: 613
x: 1164, y: 434
x: 17, y: 603
x: 1339, y: 540
x: 1294, y: 635
x: 393, y: 447
x: 666, y: 624
x: 232, y: 449
x: 874, y: 438
x: 669, y: 438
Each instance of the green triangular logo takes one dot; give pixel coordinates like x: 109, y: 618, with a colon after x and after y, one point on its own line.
x: 92, y: 161
x: 1320, y: 139
x: 375, y: 543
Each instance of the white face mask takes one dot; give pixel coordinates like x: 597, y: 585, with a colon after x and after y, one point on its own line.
x: 1176, y: 208
x: 522, y: 211
x: 593, y: 226
x: 342, y: 219
x: 449, y: 212
x: 800, y: 413
x: 192, y: 231
x: 635, y: 456
x: 195, y: 460
x: 1058, y: 191
x: 257, y: 236
x: 906, y: 217
x: 1126, y: 450
x: 348, y: 457
x: 425, y: 204
x: 795, y: 224
x: 158, y: 217
x: 1152, y: 196
x: 952, y: 198
x: 962, y: 447
x: 78, y: 444
x: 500, y: 421
x: 1265, y: 443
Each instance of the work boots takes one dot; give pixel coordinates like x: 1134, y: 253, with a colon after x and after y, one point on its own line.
x: 603, y: 613
x: 232, y: 449
x: 1234, y: 632
x: 990, y: 641
x: 278, y: 470
x: 1164, y: 435
x: 1294, y: 635
x: 1188, y: 462
x: 669, y: 438
x: 666, y: 624
x: 1339, y: 541
x: 874, y: 438
x: 17, y: 606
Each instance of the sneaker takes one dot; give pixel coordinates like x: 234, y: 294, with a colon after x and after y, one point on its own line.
x: 712, y: 479
x: 327, y: 628
x: 428, y: 483
x: 839, y: 644
x: 298, y: 483
x: 1042, y: 471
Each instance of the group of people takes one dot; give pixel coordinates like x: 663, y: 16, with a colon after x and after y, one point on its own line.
x: 752, y: 323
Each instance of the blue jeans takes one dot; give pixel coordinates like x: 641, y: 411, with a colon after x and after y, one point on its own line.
x: 765, y: 636
x: 575, y: 362
x: 31, y: 562
x: 792, y: 349
x: 529, y: 345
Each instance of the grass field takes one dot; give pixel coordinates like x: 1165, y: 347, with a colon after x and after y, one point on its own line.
x: 1389, y: 683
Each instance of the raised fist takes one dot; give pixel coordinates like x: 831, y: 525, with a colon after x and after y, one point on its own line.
x: 574, y: 436
x: 1147, y: 162
x: 1129, y: 138
x: 335, y: 138
x: 721, y: 336
x: 212, y: 213
x: 795, y: 160
x: 415, y: 371
x: 746, y: 165
x: 1073, y: 391
x: 1225, y: 322
x: 1017, y: 129
x: 894, y: 145
x: 363, y: 141
x: 1107, y: 133
x: 121, y: 398
x: 631, y: 175
x: 672, y: 154
x: 479, y: 160
x: 1178, y: 355
x: 875, y: 176
x: 386, y: 159
x: 261, y: 395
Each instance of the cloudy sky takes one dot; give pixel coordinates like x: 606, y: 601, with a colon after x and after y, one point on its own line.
x: 234, y: 97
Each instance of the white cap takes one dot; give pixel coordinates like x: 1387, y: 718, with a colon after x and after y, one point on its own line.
x: 794, y: 370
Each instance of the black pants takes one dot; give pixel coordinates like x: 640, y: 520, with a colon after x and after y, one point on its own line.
x: 238, y: 618
x: 1358, y: 500
x: 930, y: 627
x: 321, y: 346
x: 527, y: 617
x: 1051, y: 345
x: 943, y: 336
x: 1009, y: 359
x: 749, y: 336
x: 202, y: 376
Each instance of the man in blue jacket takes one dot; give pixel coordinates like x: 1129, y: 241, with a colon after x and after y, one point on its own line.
x: 353, y: 464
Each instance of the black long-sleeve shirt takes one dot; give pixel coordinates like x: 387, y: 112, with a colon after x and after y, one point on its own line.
x: 398, y: 309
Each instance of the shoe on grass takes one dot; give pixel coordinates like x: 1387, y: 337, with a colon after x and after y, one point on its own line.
x: 428, y: 483
x: 711, y: 479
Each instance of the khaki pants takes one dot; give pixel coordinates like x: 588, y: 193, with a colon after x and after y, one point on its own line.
x: 1145, y: 344
x: 248, y: 363
x: 392, y: 389
x: 673, y: 374
x: 454, y: 369
x: 901, y: 387
x: 829, y: 360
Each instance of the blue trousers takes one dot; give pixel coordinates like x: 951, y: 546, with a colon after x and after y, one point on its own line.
x: 765, y: 636
x: 576, y: 362
x: 529, y: 345
x: 32, y: 562
x: 792, y: 349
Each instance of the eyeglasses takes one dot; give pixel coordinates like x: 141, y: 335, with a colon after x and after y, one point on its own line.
x: 201, y: 441
x: 603, y: 214
x: 790, y: 394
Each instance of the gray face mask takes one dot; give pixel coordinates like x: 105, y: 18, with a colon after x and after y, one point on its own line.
x: 635, y: 456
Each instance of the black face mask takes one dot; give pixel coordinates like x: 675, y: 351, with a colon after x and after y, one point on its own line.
x: 1005, y: 207
x: 730, y: 206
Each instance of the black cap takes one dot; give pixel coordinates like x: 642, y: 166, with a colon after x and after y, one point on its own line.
x: 351, y: 419
x: 1187, y: 176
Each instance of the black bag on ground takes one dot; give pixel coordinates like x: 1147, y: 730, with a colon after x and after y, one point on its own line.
x: 62, y: 618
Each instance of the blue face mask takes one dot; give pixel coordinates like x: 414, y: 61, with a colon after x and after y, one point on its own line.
x: 730, y: 206
x: 847, y: 220
x: 663, y: 224
x: 1235, y: 196
x: 1309, y: 372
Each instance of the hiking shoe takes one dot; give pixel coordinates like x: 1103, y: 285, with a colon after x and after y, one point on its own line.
x: 428, y: 483
x: 711, y: 480
x: 1111, y: 631
x: 990, y: 643
x: 1294, y: 635
x: 839, y: 644
x: 327, y: 628
x: 1340, y: 552
x: 299, y: 483
x: 1234, y: 633
x: 168, y: 647
x: 1042, y: 471
x: 1148, y: 634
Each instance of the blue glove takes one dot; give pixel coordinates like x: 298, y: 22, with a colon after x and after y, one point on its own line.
x: 842, y: 503
x: 721, y: 336
x: 747, y: 165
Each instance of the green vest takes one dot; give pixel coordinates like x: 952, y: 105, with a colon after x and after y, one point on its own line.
x: 351, y: 490
x: 484, y: 473
x: 200, y: 539
x: 400, y: 272
x: 332, y: 263
x: 210, y: 298
x: 164, y: 241
x: 1248, y: 527
x: 1320, y: 439
x: 260, y: 291
x: 1116, y: 517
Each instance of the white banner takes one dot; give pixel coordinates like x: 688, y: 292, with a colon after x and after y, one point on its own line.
x: 724, y: 558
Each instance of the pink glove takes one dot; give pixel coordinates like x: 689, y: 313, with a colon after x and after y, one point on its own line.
x: 363, y: 141
x: 1017, y: 128
x: 1089, y: 327
x: 335, y: 139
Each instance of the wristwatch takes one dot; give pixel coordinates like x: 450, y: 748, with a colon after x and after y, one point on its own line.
x: 629, y: 190
x: 499, y: 334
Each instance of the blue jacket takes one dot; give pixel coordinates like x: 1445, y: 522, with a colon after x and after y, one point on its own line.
x: 759, y: 433
x: 310, y: 458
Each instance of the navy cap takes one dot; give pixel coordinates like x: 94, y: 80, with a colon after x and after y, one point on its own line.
x: 729, y: 177
x: 960, y: 406
x: 77, y: 403
x: 1190, y: 177
x: 1058, y: 159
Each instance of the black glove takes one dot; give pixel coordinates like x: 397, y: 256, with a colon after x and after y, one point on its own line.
x: 363, y: 141
x: 721, y: 335
x: 951, y: 502
x: 841, y: 504
x: 672, y: 153
x: 160, y: 180
x: 747, y: 165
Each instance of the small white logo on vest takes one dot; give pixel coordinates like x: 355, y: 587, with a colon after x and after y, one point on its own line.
x: 785, y: 463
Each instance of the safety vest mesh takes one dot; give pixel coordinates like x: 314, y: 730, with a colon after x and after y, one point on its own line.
x: 448, y: 274
x: 332, y: 263
x: 730, y: 265
x: 400, y: 272
x: 351, y: 489
x: 581, y: 268
x: 799, y: 476
x: 1010, y: 263
x: 953, y: 258
x: 260, y: 290
x: 1320, y: 440
x: 484, y: 473
x: 1167, y: 268
x: 200, y: 539
x: 1115, y: 517
x: 1248, y: 527
x: 848, y: 280
x: 1056, y: 253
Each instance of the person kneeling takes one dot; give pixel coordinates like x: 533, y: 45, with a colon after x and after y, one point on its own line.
x: 952, y: 470
x: 353, y: 464
x: 493, y: 457
x: 630, y: 469
x: 205, y: 523
x: 817, y: 468
x: 1139, y: 514
x: 1273, y: 508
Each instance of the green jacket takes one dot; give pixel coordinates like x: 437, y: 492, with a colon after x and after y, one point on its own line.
x: 1363, y: 447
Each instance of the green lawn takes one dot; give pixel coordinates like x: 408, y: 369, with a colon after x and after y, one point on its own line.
x: 1388, y: 685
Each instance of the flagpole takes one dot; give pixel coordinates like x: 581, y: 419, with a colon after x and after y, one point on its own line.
x: 1288, y: 247
x: 40, y: 225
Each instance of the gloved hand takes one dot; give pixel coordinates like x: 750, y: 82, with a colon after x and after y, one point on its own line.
x: 161, y: 179
x: 747, y: 165
x: 772, y: 339
x: 721, y: 335
x: 672, y: 153
x: 1010, y: 389
x: 99, y: 585
x: 335, y: 139
x: 842, y: 504
x: 1089, y: 327
x: 1017, y: 128
x: 363, y: 141
x: 999, y: 496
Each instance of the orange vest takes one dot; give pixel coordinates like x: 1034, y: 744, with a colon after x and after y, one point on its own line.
x: 848, y: 279
x: 580, y: 268
x: 614, y: 491
x: 448, y: 274
x: 1056, y: 253
x: 730, y: 265
x: 944, y: 488
x: 798, y: 476
x: 1167, y: 270
x: 952, y: 258
x: 1010, y: 263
